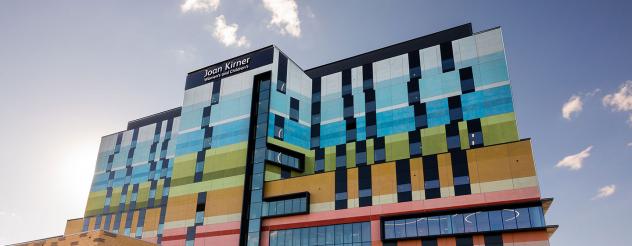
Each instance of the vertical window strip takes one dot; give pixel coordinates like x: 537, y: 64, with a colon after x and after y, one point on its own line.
x: 467, y: 80
x: 341, y: 188
x: 215, y: 92
x: 447, y: 57
x: 294, y: 109
x: 282, y: 74
x: 460, y: 172
x: 402, y: 176
x: 364, y: 186
x: 431, y: 177
x: 315, y: 117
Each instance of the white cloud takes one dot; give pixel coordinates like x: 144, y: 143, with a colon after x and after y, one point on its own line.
x: 227, y: 33
x: 575, y: 162
x: 621, y: 100
x: 593, y: 93
x: 605, y: 191
x: 573, y: 106
x: 284, y: 16
x: 199, y: 5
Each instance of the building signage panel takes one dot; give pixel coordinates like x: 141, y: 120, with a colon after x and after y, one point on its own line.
x: 230, y: 67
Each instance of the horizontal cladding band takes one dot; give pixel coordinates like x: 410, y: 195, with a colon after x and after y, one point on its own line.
x: 202, y: 234
x: 375, y: 212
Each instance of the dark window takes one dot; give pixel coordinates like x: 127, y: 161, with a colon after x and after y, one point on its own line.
x: 364, y: 186
x: 414, y: 139
x: 215, y: 93
x: 431, y: 177
x: 320, y: 160
x: 367, y: 76
x: 421, y: 118
x: 346, y: 82
x: 454, y: 104
x: 413, y: 91
x: 460, y: 172
x: 447, y: 58
x: 278, y: 127
x: 414, y: 69
x: 429, y: 242
x: 467, y: 80
x: 475, y: 133
x: 452, y: 136
x: 402, y: 175
x: 341, y: 156
x: 351, y: 129
x: 464, y: 241
x: 379, y: 152
x: 282, y: 74
x: 493, y: 240
x: 294, y: 109
x: 360, y: 153
x: 341, y: 188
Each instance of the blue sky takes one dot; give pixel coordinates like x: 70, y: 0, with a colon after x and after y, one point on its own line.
x: 73, y: 71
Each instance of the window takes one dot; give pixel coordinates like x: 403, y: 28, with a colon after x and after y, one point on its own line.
x: 467, y: 80
x: 284, y: 160
x: 482, y: 221
x: 294, y: 109
x: 285, y: 205
x: 447, y: 57
x: 469, y: 222
x: 282, y: 74
x: 341, y: 188
x: 474, y: 133
x: 536, y: 216
x: 522, y: 218
x: 279, y: 123
x: 215, y: 92
x: 380, y: 153
x: 495, y: 221
x: 464, y: 241
x: 411, y: 227
x: 493, y: 240
x: 433, y: 226
x: 364, y: 186
x: 431, y: 177
x: 336, y: 235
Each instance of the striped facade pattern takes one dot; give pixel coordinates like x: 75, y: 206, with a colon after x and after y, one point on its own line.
x: 424, y: 131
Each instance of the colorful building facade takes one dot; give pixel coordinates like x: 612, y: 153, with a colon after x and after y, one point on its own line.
x: 411, y: 144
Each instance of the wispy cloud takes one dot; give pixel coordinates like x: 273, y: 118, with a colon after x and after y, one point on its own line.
x: 605, y: 191
x: 576, y: 161
x: 227, y: 33
x: 575, y: 103
x: 573, y: 106
x: 199, y: 5
x: 620, y: 101
x: 284, y: 16
x: 630, y: 144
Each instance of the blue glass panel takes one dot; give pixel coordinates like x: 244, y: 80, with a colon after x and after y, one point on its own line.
x: 488, y: 102
x: 495, y: 220
x: 438, y: 112
x: 537, y: 217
